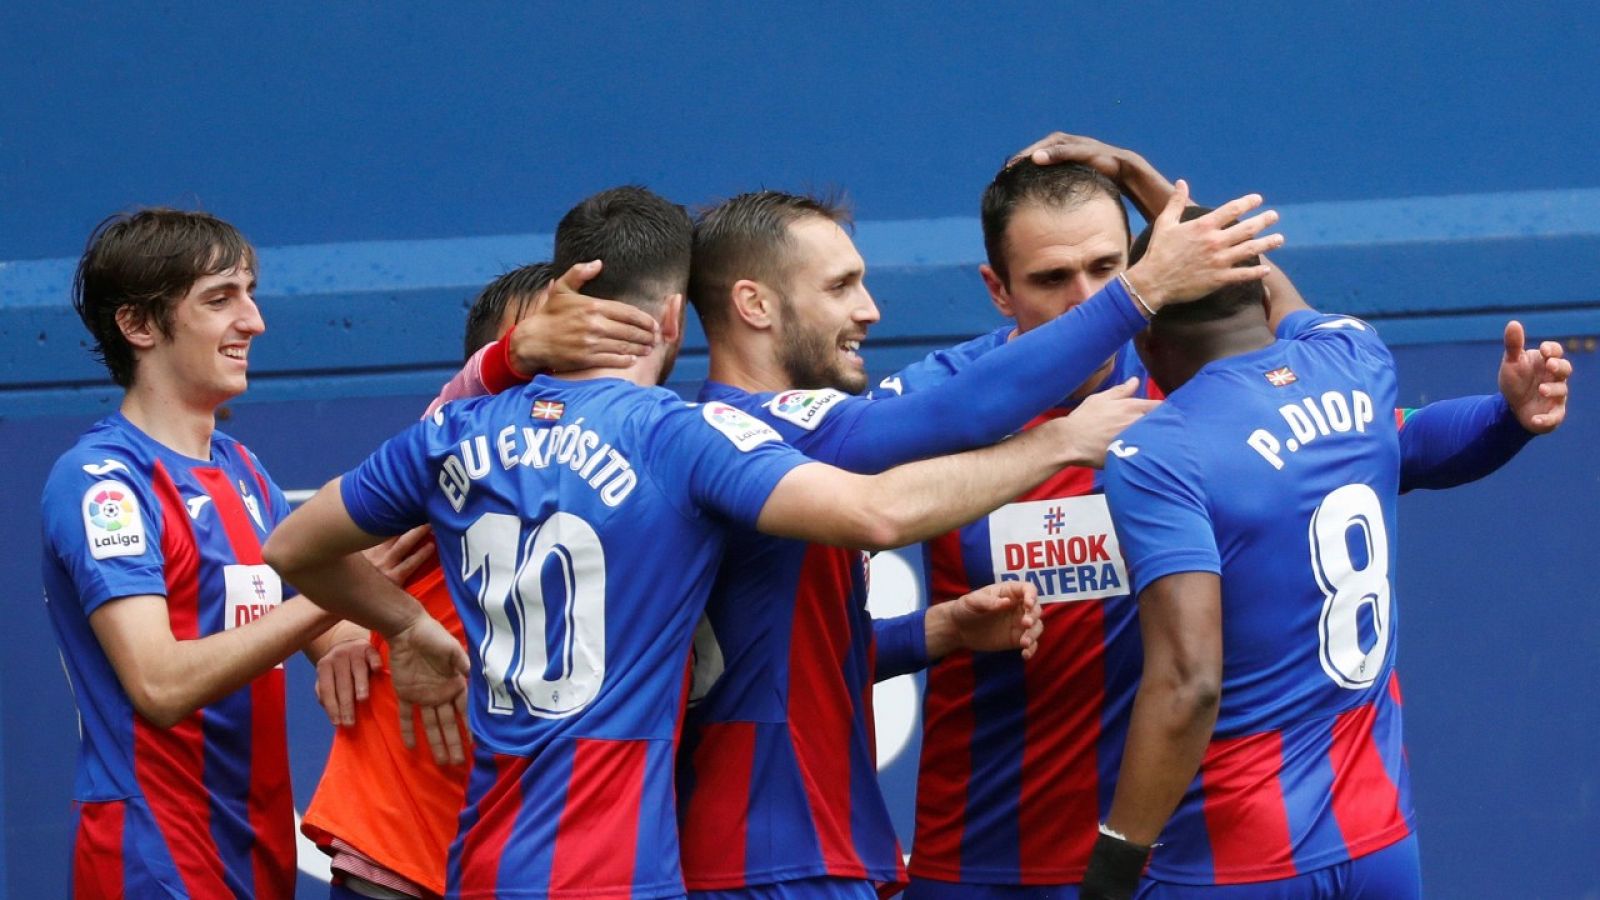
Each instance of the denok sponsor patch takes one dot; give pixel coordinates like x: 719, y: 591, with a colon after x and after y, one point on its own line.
x: 1066, y: 547
x: 253, y: 591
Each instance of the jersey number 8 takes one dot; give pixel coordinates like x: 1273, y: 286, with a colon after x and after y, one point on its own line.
x: 519, y: 637
x: 1351, y: 515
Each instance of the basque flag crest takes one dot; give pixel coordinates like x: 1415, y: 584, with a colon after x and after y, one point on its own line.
x: 548, y: 410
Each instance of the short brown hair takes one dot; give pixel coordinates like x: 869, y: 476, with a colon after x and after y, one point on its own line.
x: 147, y: 260
x: 748, y: 237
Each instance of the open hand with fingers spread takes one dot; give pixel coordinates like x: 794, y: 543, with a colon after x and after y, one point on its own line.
x: 429, y: 669
x: 1534, y: 381
x: 1099, y: 419
x: 1188, y: 260
x: 568, y: 331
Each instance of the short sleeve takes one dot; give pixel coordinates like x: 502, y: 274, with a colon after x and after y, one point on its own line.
x: 1158, y: 505
x: 103, y: 524
x: 387, y: 492
x: 1308, y: 324
x: 728, y: 460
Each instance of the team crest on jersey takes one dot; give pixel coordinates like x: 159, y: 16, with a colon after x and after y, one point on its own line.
x: 805, y: 408
x: 251, y: 504
x: 111, y: 521
x: 1065, y: 546
x: 745, y: 432
x: 1282, y: 377
x: 549, y: 410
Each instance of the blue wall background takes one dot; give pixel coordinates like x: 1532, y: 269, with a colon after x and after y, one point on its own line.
x: 1435, y: 166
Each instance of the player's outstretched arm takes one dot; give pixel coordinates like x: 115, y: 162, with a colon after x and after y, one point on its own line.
x: 1453, y: 442
x: 1174, y: 714
x: 317, y: 549
x: 913, y: 502
x: 167, y: 679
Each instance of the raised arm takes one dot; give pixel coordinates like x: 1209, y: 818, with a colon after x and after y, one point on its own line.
x: 1034, y: 371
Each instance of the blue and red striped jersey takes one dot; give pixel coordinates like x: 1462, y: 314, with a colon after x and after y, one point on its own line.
x: 1019, y: 757
x: 1278, y: 469
x: 778, y: 772
x: 579, y: 524
x: 201, y: 809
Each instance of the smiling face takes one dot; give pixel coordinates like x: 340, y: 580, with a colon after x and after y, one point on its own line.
x: 205, y: 353
x: 824, y: 309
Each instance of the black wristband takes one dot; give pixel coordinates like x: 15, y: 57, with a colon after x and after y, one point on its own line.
x: 1114, y: 869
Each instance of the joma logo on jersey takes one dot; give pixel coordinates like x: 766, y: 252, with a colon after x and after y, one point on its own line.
x: 1065, y: 548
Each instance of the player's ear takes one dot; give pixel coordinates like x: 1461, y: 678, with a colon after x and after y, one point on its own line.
x: 1266, y: 300
x: 997, y: 290
x: 673, y: 312
x: 754, y: 303
x: 139, y: 330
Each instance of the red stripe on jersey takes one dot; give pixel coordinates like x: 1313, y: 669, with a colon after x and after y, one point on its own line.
x: 270, y: 803
x: 485, y: 841
x: 821, y: 708
x: 944, y: 768
x: 1394, y: 687
x: 947, y: 570
x: 1059, y: 809
x: 1366, y: 803
x: 169, y: 763
x: 1246, y: 818
x: 718, y: 818
x: 230, y: 510
x: 97, y: 851
x: 598, y: 835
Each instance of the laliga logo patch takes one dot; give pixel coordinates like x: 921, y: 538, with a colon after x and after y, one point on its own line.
x: 111, y: 521
x: 745, y: 433
x: 804, y: 408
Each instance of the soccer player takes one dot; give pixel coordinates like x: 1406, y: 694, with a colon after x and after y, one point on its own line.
x: 580, y: 520
x: 383, y: 810
x: 1256, y: 509
x: 777, y: 776
x: 172, y: 630
x: 1019, y: 758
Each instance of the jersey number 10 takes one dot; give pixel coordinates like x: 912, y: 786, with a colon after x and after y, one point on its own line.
x: 525, y: 639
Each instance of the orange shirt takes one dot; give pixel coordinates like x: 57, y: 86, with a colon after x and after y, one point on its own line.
x: 397, y: 807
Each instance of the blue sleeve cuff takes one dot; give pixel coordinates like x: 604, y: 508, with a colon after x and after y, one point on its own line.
x: 902, y: 645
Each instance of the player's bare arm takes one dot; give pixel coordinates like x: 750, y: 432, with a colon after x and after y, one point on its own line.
x: 1174, y: 714
x: 344, y: 655
x: 916, y: 501
x: 1003, y: 616
x: 318, y: 546
x: 167, y: 679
